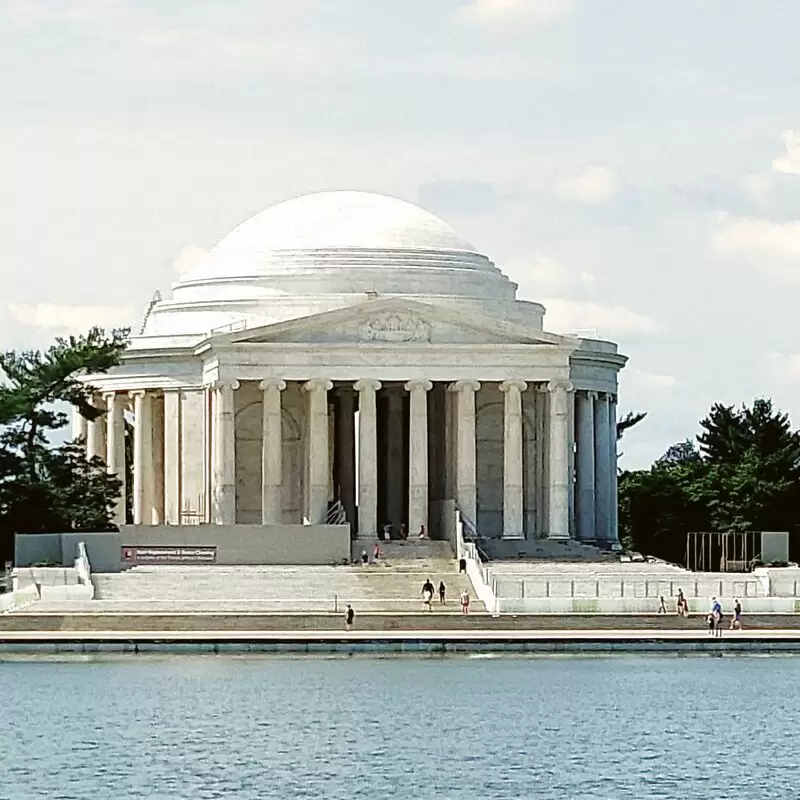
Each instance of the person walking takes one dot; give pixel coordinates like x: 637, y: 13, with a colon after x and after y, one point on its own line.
x: 682, y: 606
x: 349, y: 616
x: 465, y: 602
x: 442, y: 592
x: 377, y: 552
x: 662, y: 606
x: 716, y: 611
x: 736, y: 621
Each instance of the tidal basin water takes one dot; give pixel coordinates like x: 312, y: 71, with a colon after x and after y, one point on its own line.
x: 450, y: 727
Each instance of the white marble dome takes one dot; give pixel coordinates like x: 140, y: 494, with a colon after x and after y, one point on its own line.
x: 323, y: 251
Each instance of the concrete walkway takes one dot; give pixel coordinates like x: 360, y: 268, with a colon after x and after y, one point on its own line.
x: 399, y: 641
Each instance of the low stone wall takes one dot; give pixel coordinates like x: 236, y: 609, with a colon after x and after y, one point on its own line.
x: 236, y: 544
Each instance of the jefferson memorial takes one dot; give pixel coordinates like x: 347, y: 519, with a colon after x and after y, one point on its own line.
x: 348, y: 350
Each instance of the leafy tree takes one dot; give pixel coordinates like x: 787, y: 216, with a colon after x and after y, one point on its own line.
x: 628, y: 421
x: 44, y: 488
x: 745, y: 475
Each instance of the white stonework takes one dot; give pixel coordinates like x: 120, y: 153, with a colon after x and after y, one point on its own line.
x: 307, y: 360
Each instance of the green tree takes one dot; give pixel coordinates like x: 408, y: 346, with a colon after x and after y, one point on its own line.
x: 743, y: 474
x: 45, y: 488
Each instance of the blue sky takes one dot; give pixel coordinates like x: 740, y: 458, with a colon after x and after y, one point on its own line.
x: 633, y: 164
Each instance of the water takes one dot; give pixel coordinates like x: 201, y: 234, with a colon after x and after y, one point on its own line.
x: 467, y: 728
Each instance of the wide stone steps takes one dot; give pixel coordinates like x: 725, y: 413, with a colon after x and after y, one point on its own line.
x: 269, y: 589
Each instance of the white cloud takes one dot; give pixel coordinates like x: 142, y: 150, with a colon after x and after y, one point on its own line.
x: 596, y: 184
x: 537, y: 12
x: 758, y: 186
x: 188, y: 258
x: 639, y: 382
x: 577, y: 316
x: 791, y: 161
x: 70, y: 319
x: 547, y: 274
x: 784, y: 365
x: 773, y: 247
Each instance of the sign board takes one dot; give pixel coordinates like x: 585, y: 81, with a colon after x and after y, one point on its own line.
x: 166, y: 554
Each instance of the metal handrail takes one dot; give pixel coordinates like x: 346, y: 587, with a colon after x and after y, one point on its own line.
x: 336, y: 514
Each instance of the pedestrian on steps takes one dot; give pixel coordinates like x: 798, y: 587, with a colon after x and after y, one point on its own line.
x: 427, y: 594
x: 465, y: 602
x: 349, y: 616
x: 442, y: 592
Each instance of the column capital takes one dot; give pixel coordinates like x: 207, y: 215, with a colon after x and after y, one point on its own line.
x: 317, y: 385
x: 559, y: 385
x: 418, y: 386
x: 134, y: 393
x: 226, y: 383
x: 464, y: 386
x: 592, y: 394
x: 507, y: 386
x: 272, y: 383
x: 367, y: 385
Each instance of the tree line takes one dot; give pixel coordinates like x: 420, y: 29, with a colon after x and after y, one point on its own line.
x: 46, y: 487
x: 740, y: 473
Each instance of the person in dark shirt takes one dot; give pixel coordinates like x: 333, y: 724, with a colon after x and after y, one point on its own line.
x: 349, y: 616
x: 442, y: 592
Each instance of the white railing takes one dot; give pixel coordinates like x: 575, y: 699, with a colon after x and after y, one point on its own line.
x: 82, y: 566
x: 479, y: 575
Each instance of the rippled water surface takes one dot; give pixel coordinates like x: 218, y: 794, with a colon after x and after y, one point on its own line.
x: 208, y: 727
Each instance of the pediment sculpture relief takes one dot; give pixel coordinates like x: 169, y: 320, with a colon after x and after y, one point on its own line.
x: 395, y: 327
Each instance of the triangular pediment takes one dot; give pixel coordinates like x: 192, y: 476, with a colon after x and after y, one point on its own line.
x: 394, y: 321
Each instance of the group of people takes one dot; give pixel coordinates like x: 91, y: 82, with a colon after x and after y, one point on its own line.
x: 428, y: 592
x: 715, y: 616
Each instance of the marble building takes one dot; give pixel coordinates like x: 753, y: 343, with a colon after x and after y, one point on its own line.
x: 346, y: 346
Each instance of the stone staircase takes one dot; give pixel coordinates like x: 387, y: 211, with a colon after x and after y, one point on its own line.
x: 392, y: 585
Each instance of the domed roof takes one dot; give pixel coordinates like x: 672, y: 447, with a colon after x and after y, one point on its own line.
x: 325, y: 251
x: 328, y: 221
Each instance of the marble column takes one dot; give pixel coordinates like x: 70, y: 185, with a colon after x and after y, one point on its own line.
x: 80, y: 426
x: 367, y: 457
x: 345, y: 450
x: 559, y: 483
x: 115, y: 449
x: 173, y: 456
x: 142, y: 456
x: 224, y: 485
x: 318, y: 450
x: 418, y: 455
x: 602, y: 468
x: 394, y: 456
x: 584, y: 427
x: 96, y: 435
x: 512, y: 460
x: 272, y: 452
x: 613, y: 498
x: 466, y: 455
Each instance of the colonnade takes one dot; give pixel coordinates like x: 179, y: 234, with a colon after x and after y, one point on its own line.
x: 580, y: 490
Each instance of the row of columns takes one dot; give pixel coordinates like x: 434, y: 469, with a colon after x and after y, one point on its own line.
x: 595, y: 437
x: 596, y: 466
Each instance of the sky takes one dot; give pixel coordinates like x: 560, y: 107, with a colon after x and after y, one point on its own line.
x: 632, y: 164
